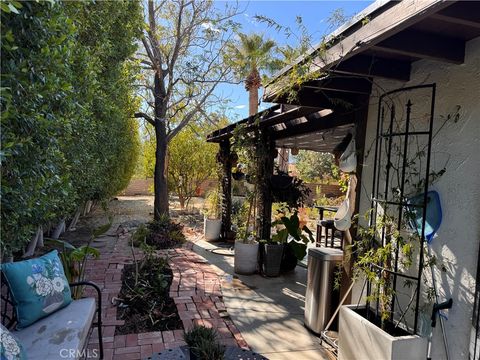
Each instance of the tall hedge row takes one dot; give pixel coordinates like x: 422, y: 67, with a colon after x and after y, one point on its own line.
x: 67, y: 102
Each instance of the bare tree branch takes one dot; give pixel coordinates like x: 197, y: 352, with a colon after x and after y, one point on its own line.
x: 145, y: 116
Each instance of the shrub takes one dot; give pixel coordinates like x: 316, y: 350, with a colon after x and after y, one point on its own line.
x: 197, y: 333
x: 139, y: 237
x: 160, y: 234
x: 67, y: 104
x: 203, y: 343
x: 208, y: 350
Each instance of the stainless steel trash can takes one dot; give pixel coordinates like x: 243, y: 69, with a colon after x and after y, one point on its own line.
x: 321, y: 299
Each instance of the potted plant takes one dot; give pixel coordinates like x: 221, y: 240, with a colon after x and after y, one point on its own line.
x: 237, y: 173
x: 246, y: 247
x: 272, y: 255
x: 294, y: 234
x: 289, y: 189
x: 212, y: 225
x: 362, y: 338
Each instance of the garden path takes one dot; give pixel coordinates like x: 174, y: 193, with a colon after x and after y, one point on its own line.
x: 196, y: 290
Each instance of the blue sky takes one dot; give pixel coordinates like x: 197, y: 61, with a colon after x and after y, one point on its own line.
x: 314, y: 15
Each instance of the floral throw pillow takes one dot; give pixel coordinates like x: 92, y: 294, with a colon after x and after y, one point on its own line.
x: 10, y: 347
x: 39, y: 287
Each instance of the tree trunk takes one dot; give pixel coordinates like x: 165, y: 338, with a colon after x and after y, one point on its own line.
x: 181, y: 200
x: 74, y: 221
x: 59, y: 229
x: 252, y: 100
x: 160, y: 178
x: 32, y: 245
x: 40, y: 243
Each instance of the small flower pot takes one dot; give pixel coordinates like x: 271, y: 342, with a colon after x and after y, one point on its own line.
x: 272, y: 259
x: 246, y: 258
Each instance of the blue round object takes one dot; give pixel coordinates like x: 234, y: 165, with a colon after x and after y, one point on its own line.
x: 433, y: 218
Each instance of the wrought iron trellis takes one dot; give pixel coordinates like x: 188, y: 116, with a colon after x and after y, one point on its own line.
x: 391, y: 129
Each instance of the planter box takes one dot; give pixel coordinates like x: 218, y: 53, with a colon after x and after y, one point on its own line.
x: 359, y: 339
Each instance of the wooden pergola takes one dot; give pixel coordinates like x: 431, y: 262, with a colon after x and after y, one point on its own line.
x: 381, y: 42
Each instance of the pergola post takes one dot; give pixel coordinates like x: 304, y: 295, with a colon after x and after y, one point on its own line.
x: 361, y: 118
x: 265, y: 154
x: 226, y: 182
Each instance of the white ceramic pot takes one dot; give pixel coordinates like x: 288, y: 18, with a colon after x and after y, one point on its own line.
x: 212, y: 229
x: 246, y: 258
x: 359, y: 338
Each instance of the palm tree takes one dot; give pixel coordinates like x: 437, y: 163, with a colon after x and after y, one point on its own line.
x: 249, y: 56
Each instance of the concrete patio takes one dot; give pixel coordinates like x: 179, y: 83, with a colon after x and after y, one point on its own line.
x: 267, y: 311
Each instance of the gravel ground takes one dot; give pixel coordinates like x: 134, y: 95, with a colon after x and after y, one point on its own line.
x: 128, y: 212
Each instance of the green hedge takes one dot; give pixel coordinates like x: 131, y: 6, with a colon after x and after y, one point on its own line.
x: 67, y: 102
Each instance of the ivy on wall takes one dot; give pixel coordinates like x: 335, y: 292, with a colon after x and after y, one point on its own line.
x: 67, y: 103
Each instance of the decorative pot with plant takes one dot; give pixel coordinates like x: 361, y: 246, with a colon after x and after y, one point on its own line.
x: 375, y: 320
x: 391, y: 253
x: 272, y: 254
x: 294, y: 235
x: 246, y: 247
x: 237, y: 172
x: 212, y: 225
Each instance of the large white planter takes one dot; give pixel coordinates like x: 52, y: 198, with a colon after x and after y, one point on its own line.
x: 212, y: 229
x: 246, y: 258
x: 359, y: 339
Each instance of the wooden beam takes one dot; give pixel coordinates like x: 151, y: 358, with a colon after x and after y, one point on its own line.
x: 339, y: 83
x: 319, y: 98
x: 423, y: 45
x: 323, y: 123
x: 227, y: 132
x: 457, y: 21
x: 399, y: 17
x: 264, y: 171
x: 226, y: 182
x: 288, y: 115
x: 464, y: 13
x: 373, y: 66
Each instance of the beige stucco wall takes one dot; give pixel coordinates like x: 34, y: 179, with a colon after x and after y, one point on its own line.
x: 457, y: 145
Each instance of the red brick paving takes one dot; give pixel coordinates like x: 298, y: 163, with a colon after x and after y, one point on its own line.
x: 195, y: 288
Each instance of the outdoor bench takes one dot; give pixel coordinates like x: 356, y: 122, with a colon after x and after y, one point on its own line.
x: 63, y: 334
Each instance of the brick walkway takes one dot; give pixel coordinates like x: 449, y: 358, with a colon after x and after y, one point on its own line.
x: 195, y: 289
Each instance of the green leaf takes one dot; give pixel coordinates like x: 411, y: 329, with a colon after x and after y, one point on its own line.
x: 299, y: 249
x: 13, y: 8
x: 4, y: 7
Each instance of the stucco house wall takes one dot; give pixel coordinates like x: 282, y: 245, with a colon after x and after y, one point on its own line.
x: 456, y: 145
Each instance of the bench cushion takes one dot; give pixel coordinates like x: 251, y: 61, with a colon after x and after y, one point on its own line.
x: 59, y: 335
x: 38, y: 286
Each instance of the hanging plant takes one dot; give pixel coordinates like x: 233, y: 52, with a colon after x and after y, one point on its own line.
x: 289, y: 189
